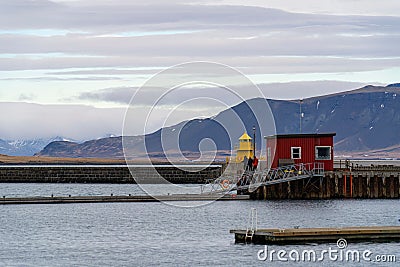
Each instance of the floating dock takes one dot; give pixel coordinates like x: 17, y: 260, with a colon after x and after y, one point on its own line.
x: 100, y: 199
x: 318, y: 235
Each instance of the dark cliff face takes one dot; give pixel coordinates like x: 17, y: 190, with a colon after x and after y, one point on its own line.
x: 101, y: 148
x: 58, y: 149
x: 364, y: 119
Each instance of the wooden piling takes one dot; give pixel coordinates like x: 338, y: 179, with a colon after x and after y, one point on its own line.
x: 337, y: 185
x: 351, y: 186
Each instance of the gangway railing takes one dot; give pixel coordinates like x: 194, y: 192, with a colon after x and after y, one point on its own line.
x: 226, y: 184
x: 287, y: 173
x: 251, y: 180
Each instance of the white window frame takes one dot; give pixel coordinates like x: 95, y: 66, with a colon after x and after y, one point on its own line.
x: 291, y: 152
x: 316, y: 152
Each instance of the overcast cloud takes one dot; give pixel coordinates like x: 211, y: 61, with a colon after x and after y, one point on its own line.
x: 294, y: 90
x: 82, y: 53
x: 24, y: 121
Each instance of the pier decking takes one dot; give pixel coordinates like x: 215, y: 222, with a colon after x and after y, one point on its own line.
x: 318, y: 235
x: 100, y: 199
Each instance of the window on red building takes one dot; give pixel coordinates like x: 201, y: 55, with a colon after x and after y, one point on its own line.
x: 322, y: 152
x: 296, y: 153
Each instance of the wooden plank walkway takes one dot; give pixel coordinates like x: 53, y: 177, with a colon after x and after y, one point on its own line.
x: 99, y: 199
x: 319, y: 235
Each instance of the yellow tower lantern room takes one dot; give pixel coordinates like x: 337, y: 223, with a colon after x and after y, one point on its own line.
x: 245, y: 148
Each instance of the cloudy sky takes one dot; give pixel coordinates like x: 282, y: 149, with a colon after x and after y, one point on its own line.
x: 71, y: 67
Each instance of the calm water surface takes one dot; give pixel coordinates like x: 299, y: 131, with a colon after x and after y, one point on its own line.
x: 148, y: 234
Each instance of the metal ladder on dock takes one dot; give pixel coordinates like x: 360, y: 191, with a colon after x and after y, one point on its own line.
x: 252, y: 225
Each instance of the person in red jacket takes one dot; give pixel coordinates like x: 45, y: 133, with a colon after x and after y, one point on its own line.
x: 255, y: 163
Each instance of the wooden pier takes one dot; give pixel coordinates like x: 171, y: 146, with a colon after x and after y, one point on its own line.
x: 318, y: 235
x: 360, y: 184
x: 111, y: 198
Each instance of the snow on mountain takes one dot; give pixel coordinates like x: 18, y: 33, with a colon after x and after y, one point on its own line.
x: 23, y: 147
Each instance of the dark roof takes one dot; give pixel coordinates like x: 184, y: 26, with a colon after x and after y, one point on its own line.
x: 308, y: 135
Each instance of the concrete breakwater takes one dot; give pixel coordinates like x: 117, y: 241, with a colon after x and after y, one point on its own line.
x: 368, y: 184
x: 185, y: 174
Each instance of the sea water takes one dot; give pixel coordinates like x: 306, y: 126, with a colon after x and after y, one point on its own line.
x: 161, y: 234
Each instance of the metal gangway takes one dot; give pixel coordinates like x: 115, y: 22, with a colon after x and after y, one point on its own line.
x: 287, y: 173
x: 251, y: 180
x: 223, y: 184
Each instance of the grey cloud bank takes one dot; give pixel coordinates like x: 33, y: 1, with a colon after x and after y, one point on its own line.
x: 294, y: 90
x: 25, y: 121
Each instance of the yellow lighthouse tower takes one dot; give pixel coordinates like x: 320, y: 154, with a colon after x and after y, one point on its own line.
x: 245, y: 148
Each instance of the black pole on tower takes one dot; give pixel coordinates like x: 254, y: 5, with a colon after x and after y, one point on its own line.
x: 254, y: 141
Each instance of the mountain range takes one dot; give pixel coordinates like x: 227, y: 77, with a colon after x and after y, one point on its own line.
x: 27, y: 147
x: 366, y: 119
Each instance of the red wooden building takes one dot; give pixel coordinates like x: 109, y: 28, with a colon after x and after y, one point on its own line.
x: 290, y: 149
